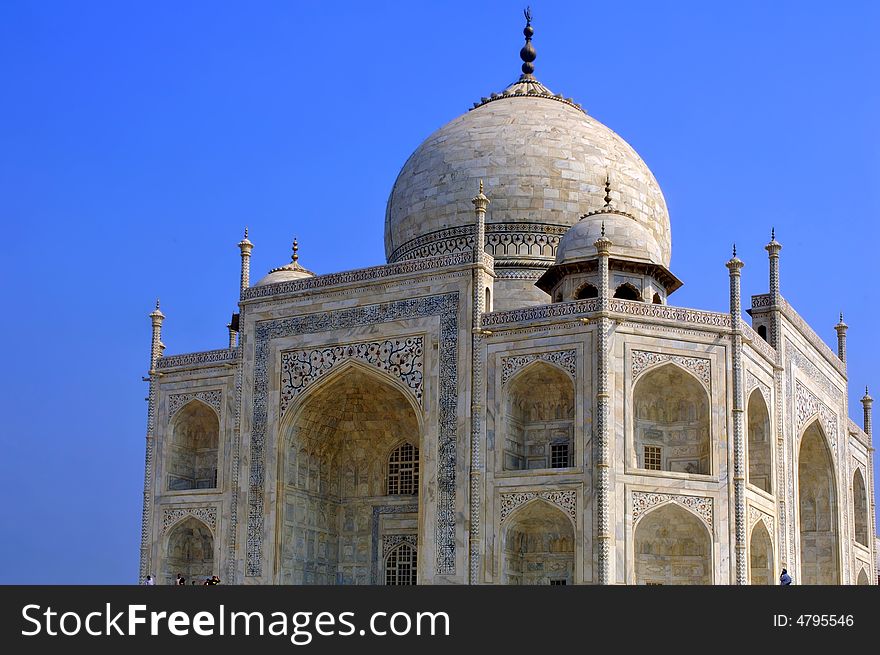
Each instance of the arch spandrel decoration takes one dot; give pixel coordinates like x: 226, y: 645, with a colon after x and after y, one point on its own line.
x: 808, y: 405
x: 644, y: 501
x: 212, y: 398
x: 753, y: 382
x: 174, y: 515
x: 401, y: 358
x: 392, y: 541
x: 565, y: 500
x: 756, y: 515
x: 564, y: 359
x: 643, y: 360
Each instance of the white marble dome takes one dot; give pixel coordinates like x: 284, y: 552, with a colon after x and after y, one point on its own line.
x: 629, y: 239
x: 543, y: 161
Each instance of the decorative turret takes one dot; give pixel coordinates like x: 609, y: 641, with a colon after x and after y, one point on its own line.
x: 156, y: 345
x: 288, y: 272
x: 773, y: 249
x: 246, y: 247
x: 867, y: 403
x: 841, y: 328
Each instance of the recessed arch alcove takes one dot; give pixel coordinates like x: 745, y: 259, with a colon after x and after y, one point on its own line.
x: 193, y: 448
x: 672, y: 422
x: 817, y: 509
x: 539, y: 404
x: 761, y: 560
x: 861, y: 516
x: 350, y: 445
x: 672, y: 546
x: 760, y: 466
x: 537, y: 546
x: 189, y: 551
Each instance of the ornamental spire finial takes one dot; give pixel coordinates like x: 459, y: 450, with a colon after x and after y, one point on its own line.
x: 773, y: 234
x: 734, y: 251
x: 607, y: 190
x: 528, y: 54
x: 603, y: 228
x: 295, y: 249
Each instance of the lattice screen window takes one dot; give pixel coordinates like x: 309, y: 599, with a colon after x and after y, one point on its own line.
x: 653, y: 459
x: 400, y: 566
x: 403, y: 470
x: 559, y: 455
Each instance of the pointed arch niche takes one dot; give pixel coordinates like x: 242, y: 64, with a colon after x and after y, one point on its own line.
x: 671, y: 430
x: 817, y: 510
x: 539, y: 419
x: 341, y: 440
x: 861, y: 517
x: 761, y: 559
x: 760, y: 466
x: 537, y: 546
x: 193, y: 449
x: 190, y: 551
x: 672, y: 547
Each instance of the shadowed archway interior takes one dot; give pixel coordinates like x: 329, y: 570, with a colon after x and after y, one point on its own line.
x: 538, y: 546
x: 672, y: 547
x: 817, y: 510
x: 338, y: 450
x: 190, y: 552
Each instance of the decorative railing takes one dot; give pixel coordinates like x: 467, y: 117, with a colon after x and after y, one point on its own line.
x: 810, y: 335
x: 668, y: 313
x: 224, y: 356
x: 541, y: 312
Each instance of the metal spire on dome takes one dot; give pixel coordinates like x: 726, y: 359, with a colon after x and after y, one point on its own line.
x: 607, y: 191
x: 528, y: 54
x: 295, y: 249
x: 527, y: 85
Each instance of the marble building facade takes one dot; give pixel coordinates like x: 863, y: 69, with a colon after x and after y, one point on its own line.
x: 514, y: 398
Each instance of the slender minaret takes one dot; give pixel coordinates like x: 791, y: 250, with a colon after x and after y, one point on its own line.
x: 867, y: 403
x: 481, y: 203
x: 773, y: 249
x: 841, y: 328
x: 156, y: 345
x: 156, y: 348
x: 246, y: 247
x: 734, y: 265
x: 232, y: 336
x: 603, y: 399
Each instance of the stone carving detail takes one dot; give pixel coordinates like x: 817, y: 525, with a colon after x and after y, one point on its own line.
x: 763, y: 300
x: 756, y: 515
x: 502, y: 239
x: 669, y: 313
x: 519, y: 274
x: 391, y: 541
x: 800, y: 360
x: 378, y: 511
x: 225, y: 356
x: 699, y: 366
x: 172, y: 516
x: 358, y: 275
x: 401, y: 358
x: 232, y: 529
x: 211, y: 398
x: 565, y: 359
x: 645, y: 500
x: 446, y: 307
x: 565, y: 500
x: 808, y: 405
x: 751, y: 382
x: 555, y: 310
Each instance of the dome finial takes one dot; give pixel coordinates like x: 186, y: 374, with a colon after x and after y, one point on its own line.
x: 528, y: 54
x: 295, y: 249
x: 734, y: 251
x: 481, y: 186
x: 607, y: 190
x: 773, y: 234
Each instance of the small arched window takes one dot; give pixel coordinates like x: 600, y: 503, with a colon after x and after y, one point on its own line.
x: 488, y: 307
x: 403, y: 471
x: 657, y: 300
x: 762, y: 332
x: 401, y: 566
x: 626, y: 291
x: 586, y: 291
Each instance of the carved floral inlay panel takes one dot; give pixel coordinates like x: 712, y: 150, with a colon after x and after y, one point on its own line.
x: 172, y: 516
x: 643, y: 501
x: 565, y: 359
x: 565, y: 500
x: 401, y: 358
x: 699, y: 366
x: 392, y: 541
x: 211, y: 398
x: 808, y: 406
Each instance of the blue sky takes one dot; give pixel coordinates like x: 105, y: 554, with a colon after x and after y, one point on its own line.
x: 137, y: 140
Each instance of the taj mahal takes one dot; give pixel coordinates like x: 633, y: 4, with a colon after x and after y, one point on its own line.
x: 513, y: 398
